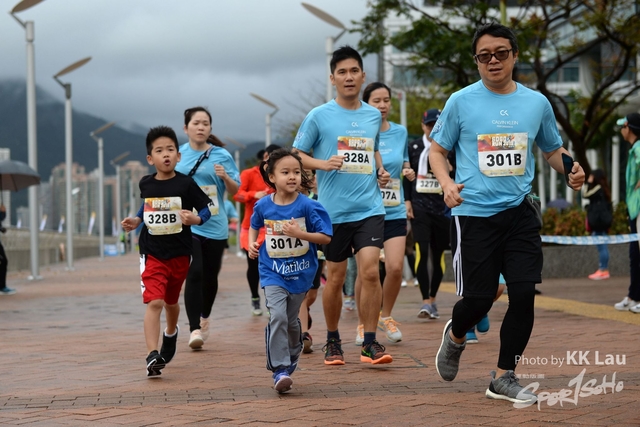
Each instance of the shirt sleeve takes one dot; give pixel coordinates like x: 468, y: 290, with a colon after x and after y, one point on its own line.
x: 244, y: 194
x: 446, y: 131
x: 548, y: 138
x: 319, y: 219
x: 308, y: 133
x: 257, y: 218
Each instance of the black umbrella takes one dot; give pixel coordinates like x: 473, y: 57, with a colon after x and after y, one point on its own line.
x: 16, y: 175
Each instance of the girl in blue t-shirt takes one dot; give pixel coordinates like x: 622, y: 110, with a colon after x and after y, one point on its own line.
x: 288, y: 260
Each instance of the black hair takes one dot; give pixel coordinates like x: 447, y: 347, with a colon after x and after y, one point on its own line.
x: 271, y: 148
x: 189, y: 112
x: 345, y: 52
x: 159, y: 132
x: 600, y: 178
x: 269, y: 166
x: 371, y: 87
x: 188, y: 115
x: 496, y: 30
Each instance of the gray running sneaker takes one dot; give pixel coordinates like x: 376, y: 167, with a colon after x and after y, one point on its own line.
x: 425, y: 311
x: 448, y: 357
x: 507, y: 387
x: 434, y: 311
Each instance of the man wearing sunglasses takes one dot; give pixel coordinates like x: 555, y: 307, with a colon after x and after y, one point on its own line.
x: 492, y: 126
x: 630, y: 130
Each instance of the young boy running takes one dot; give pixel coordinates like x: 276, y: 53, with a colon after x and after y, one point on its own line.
x: 165, y: 245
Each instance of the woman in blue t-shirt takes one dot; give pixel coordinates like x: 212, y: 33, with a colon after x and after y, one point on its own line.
x: 395, y: 158
x: 214, y: 170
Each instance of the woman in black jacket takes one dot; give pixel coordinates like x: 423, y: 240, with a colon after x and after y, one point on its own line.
x: 599, y: 217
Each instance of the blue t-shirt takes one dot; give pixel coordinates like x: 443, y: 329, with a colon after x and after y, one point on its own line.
x: 230, y: 209
x: 351, y: 194
x: 394, y: 152
x: 493, y: 137
x: 286, y: 261
x: 218, y: 225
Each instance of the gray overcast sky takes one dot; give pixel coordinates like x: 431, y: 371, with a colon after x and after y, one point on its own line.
x: 154, y: 58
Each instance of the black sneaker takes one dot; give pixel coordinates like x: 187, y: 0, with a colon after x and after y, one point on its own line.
x: 375, y: 353
x: 333, y: 352
x: 168, y: 349
x: 155, y: 363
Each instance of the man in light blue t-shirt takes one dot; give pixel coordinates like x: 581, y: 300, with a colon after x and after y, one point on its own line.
x: 492, y: 126
x: 343, y: 135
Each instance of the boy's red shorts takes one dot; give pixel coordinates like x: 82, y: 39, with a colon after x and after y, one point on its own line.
x: 162, y: 278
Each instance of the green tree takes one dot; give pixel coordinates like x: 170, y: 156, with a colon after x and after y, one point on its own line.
x: 601, y: 35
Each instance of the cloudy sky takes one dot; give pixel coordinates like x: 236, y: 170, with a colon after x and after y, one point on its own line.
x: 154, y: 58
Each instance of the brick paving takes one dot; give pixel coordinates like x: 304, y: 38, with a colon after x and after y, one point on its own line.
x: 73, y: 354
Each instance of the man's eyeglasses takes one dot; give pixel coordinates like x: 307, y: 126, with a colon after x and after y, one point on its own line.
x: 500, y: 55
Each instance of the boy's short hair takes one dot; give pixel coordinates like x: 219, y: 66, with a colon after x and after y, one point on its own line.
x: 158, y: 132
x: 345, y: 52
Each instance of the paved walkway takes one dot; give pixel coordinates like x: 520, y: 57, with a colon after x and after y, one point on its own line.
x: 73, y: 354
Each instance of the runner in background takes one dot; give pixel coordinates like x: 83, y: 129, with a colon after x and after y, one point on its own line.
x: 393, y: 150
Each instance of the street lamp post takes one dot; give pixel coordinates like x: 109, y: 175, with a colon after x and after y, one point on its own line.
x: 115, y: 163
x: 237, y: 159
x: 330, y: 40
x: 32, y: 141
x: 101, y: 184
x: 267, y: 140
x: 68, y: 147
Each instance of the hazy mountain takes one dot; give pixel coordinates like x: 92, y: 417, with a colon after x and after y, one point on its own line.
x: 51, y: 136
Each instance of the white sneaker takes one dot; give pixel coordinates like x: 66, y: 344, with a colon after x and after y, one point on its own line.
x: 204, y: 328
x: 635, y: 308
x: 195, y: 339
x: 626, y: 304
x: 349, y: 303
x: 360, y: 335
x: 403, y: 284
x: 389, y: 326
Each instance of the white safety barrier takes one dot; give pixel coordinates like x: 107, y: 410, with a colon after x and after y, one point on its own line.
x: 590, y: 240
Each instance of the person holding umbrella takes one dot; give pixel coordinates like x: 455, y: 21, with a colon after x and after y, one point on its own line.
x: 14, y: 176
x: 4, y: 290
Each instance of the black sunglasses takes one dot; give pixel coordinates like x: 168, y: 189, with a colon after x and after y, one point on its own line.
x: 500, y: 55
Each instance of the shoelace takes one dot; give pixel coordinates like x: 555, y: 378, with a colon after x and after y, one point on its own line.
x: 379, y: 348
x: 332, y: 348
x: 390, y: 324
x: 512, y: 378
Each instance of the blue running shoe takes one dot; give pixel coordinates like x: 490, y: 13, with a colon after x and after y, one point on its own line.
x: 483, y: 325
x: 472, y: 338
x: 294, y: 364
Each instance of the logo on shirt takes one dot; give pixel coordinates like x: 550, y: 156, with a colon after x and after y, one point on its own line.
x: 354, y: 124
x: 504, y: 113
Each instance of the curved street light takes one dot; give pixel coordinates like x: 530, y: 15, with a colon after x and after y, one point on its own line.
x: 236, y: 155
x: 267, y: 140
x: 32, y: 140
x: 116, y: 164
x: 68, y: 147
x: 101, y: 183
x: 321, y: 14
